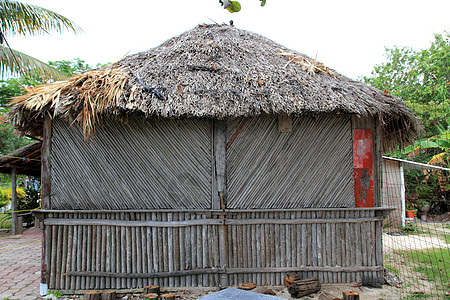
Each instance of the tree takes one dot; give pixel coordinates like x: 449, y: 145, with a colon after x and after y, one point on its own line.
x: 18, y: 18
x: 421, y: 79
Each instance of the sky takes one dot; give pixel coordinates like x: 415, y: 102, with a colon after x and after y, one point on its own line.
x: 349, y: 36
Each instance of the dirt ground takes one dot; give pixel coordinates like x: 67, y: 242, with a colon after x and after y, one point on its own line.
x: 366, y: 293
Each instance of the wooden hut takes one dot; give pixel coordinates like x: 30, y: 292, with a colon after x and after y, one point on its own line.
x: 217, y: 158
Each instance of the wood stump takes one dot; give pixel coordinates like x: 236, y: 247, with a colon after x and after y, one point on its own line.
x: 150, y: 296
x: 291, y: 277
x: 168, y: 297
x: 304, y: 287
x: 109, y: 295
x: 92, y: 295
x: 150, y: 289
x: 350, y: 295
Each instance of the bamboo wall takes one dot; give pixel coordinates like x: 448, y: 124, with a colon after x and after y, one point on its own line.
x: 98, y: 250
x: 134, y: 165
x: 312, y: 166
x: 207, y: 203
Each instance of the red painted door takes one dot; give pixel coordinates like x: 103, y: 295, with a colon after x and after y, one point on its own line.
x: 363, y: 167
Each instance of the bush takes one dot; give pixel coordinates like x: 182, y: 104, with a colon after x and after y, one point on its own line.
x: 6, y: 195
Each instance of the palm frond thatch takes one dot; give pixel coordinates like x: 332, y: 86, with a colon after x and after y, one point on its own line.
x: 219, y: 71
x: 85, y: 95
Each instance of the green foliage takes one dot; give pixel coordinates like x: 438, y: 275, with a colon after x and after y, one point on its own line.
x: 56, y: 293
x: 69, y: 68
x: 421, y: 79
x: 31, y: 201
x: 9, y: 138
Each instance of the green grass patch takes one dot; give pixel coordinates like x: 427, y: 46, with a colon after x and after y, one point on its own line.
x: 433, y: 265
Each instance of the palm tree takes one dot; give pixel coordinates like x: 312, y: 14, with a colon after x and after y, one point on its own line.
x: 18, y: 18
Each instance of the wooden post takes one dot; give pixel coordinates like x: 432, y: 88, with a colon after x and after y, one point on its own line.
x: 13, y: 201
x: 220, y: 150
x: 168, y: 297
x: 46, y: 192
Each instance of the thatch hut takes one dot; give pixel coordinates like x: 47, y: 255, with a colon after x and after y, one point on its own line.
x: 217, y: 158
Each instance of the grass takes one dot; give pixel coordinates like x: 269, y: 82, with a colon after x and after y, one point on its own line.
x: 5, y: 222
x: 433, y: 265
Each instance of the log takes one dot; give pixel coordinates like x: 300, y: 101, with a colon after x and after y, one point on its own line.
x: 290, y: 277
x: 168, y: 297
x: 150, y: 296
x: 304, y: 287
x: 151, y: 289
x: 109, y: 295
x: 328, y: 296
x: 350, y: 295
x: 92, y: 295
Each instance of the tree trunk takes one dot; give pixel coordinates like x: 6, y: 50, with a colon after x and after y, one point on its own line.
x: 150, y: 296
x: 92, y: 295
x: 291, y: 277
x: 304, y: 287
x: 350, y: 295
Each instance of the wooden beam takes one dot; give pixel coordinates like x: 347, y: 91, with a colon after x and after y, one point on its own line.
x: 46, y: 163
x: 201, y: 222
x: 226, y: 271
x: 46, y: 192
x: 220, y: 150
x: 13, y: 201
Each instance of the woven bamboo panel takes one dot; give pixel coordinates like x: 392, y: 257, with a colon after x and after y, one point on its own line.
x: 337, y: 246
x: 308, y: 167
x: 161, y: 163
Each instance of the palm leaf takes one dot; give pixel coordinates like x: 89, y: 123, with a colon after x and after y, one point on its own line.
x: 21, y: 18
x: 444, y: 144
x: 438, y: 159
x: 13, y: 63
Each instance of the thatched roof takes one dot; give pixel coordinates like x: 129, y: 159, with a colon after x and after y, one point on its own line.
x: 216, y: 71
x: 26, y: 160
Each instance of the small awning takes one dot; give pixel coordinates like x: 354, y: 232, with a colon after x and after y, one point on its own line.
x: 26, y: 160
x: 412, y: 165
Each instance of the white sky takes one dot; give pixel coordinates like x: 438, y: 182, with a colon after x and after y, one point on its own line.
x: 347, y: 35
